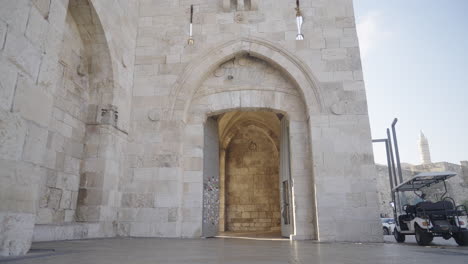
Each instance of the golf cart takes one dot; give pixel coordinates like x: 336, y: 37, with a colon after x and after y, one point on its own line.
x: 428, y: 219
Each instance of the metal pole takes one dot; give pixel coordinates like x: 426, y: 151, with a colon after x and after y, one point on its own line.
x: 397, y: 153
x: 396, y: 205
x: 392, y: 159
x: 388, y: 165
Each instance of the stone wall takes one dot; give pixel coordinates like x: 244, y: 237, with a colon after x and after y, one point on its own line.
x: 65, y: 140
x: 142, y: 159
x: 42, y: 98
x: 31, y: 32
x: 252, y: 181
x: 384, y: 189
x: 329, y: 122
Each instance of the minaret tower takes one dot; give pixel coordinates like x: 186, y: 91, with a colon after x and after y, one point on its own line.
x: 424, y: 149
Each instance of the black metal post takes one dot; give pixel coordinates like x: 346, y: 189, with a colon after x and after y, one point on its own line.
x: 397, y: 153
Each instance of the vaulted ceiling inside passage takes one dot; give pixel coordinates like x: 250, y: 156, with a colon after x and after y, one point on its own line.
x: 229, y: 124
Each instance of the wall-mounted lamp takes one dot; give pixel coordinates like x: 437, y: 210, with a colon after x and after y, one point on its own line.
x: 191, y: 41
x: 299, y: 21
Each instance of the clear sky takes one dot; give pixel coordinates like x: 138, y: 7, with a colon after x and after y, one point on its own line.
x: 415, y: 61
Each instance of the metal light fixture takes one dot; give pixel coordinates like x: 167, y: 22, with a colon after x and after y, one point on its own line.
x: 191, y: 41
x: 299, y: 21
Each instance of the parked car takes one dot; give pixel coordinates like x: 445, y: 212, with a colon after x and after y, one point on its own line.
x: 388, y: 225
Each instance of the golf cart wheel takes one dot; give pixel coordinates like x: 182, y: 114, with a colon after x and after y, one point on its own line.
x: 385, y: 231
x: 447, y: 236
x: 461, y: 238
x: 423, y: 238
x: 399, y: 237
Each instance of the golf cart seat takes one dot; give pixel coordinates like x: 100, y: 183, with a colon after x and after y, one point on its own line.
x: 432, y: 208
x: 410, y: 209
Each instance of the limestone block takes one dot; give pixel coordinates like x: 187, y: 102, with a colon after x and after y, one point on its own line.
x: 15, y: 14
x: 167, y: 174
x: 57, y: 13
x: 67, y: 181
x: 138, y: 200
x: 191, y: 229
x: 16, y: 232
x: 174, y: 58
x: 91, y: 197
x: 144, y: 174
x: 7, y: 83
x: 54, y: 197
x: 155, y: 214
x: 20, y: 51
x: 141, y: 229
x: 192, y: 187
x: 193, y: 164
x: 193, y: 176
x: 166, y: 200
x: 43, y: 7
x: 271, y: 26
x: 26, y: 101
x: 50, y: 157
x: 72, y: 165
x: 340, y: 76
x: 35, y: 144
x: 12, y: 136
x: 45, y: 216
x: 334, y: 54
x: 172, y: 215
x: 145, y: 21
x: 70, y: 217
x: 348, y: 42
x: 353, y: 86
x: 145, y: 70
x: 3, y: 32
x: 37, y: 28
x: 74, y: 149
x: 333, y: 33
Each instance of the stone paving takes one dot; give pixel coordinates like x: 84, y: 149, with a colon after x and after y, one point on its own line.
x: 233, y: 250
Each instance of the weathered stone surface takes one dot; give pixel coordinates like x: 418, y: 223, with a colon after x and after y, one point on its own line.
x: 109, y: 104
x: 252, y: 179
x: 15, y: 233
x: 12, y: 136
x: 26, y: 98
x: 8, y: 76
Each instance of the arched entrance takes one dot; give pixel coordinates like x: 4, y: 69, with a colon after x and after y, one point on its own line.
x: 254, y: 88
x: 254, y: 186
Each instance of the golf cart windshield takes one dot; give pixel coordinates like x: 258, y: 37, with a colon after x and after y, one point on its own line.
x: 423, y: 180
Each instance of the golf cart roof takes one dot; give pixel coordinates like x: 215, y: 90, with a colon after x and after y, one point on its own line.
x: 423, y: 180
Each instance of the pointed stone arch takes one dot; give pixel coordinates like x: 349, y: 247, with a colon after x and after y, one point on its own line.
x: 104, y: 135
x: 196, y: 72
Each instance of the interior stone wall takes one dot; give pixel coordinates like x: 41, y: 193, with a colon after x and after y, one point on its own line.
x: 252, y: 182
